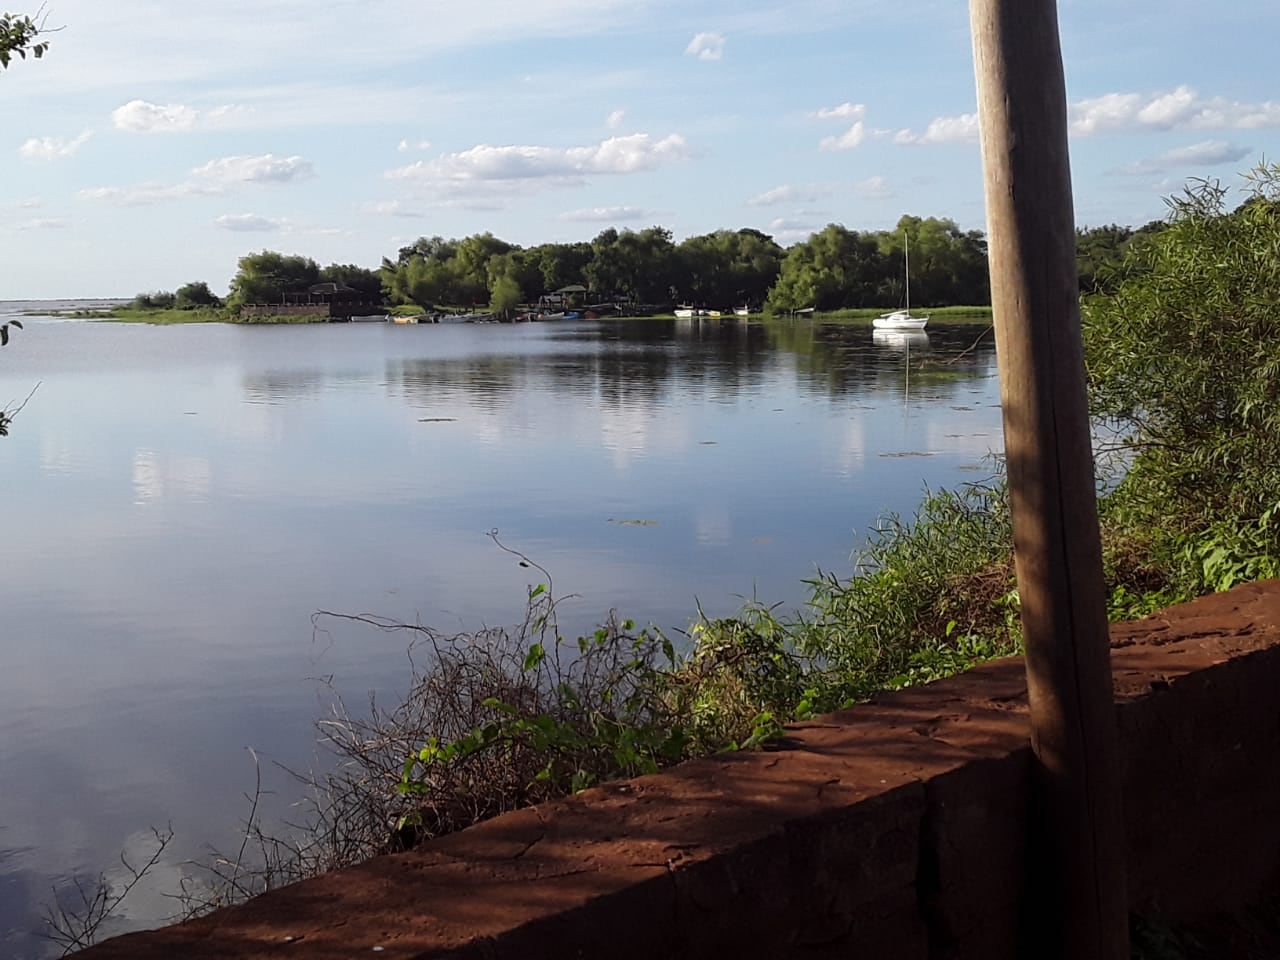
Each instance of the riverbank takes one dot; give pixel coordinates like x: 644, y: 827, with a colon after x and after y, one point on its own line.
x: 164, y: 317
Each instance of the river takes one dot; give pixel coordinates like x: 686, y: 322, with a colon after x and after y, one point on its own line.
x: 179, y: 501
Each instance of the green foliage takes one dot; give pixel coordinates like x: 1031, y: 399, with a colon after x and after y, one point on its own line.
x: 838, y: 267
x: 267, y: 276
x: 155, y: 300
x: 918, y: 586
x: 349, y: 275
x: 1183, y: 363
x: 541, y: 716
x: 505, y: 296
x: 20, y: 35
x: 191, y: 296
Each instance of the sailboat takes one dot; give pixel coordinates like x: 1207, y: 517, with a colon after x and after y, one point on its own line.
x: 902, y: 319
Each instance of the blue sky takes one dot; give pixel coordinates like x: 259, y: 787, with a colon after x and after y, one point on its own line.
x: 158, y: 142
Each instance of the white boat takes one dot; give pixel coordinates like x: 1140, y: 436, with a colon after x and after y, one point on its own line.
x: 902, y: 319
x: 371, y: 318
x: 711, y: 313
x: 899, y: 320
x: 741, y: 311
x: 684, y: 313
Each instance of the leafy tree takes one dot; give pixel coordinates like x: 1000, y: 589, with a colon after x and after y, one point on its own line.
x: 727, y: 267
x: 154, y: 300
x: 834, y: 268
x: 505, y: 296
x: 267, y: 276
x: 189, y: 296
x: 20, y: 35
x: 470, y: 266
x: 1184, y: 359
x: 357, y: 278
x: 561, y: 265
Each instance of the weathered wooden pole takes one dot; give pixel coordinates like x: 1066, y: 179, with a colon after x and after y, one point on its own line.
x: 1077, y: 903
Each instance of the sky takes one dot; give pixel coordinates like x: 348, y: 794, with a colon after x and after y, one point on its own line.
x: 158, y: 142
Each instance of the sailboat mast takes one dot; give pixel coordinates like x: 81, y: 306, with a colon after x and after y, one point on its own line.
x: 906, y: 247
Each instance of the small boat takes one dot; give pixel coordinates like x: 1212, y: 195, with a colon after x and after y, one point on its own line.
x: 902, y: 319
x: 371, y: 318
x: 685, y: 313
x: 899, y: 320
x: 711, y: 313
x: 742, y: 311
x: 415, y: 318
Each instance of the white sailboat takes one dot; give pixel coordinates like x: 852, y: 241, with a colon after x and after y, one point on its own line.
x: 902, y: 319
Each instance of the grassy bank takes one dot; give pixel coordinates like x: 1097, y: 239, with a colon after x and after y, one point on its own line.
x: 165, y: 317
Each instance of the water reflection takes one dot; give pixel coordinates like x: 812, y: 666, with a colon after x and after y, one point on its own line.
x: 181, y: 500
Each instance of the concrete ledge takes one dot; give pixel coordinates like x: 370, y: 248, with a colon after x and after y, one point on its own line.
x: 894, y: 829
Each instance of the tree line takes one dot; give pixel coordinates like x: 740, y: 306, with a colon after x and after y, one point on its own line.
x: 834, y: 268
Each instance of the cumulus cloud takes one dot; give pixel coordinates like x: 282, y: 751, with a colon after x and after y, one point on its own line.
x: 1207, y: 153
x: 790, y: 230
x: 407, y: 145
x: 606, y: 214
x: 851, y: 138
x: 149, y: 193
x: 960, y: 129
x: 1179, y: 109
x: 247, y: 223
x: 45, y: 223
x: 845, y: 111
x: 614, y: 120
x: 141, y: 116
x: 53, y: 148
x: 706, y: 46
x: 785, y: 193
x: 263, y: 168
x: 636, y: 153
x: 874, y: 188
x: 390, y: 208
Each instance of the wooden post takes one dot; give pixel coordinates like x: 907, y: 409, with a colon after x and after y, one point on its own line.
x: 1077, y: 903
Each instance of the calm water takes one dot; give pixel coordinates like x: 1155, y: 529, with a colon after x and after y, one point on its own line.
x: 179, y: 501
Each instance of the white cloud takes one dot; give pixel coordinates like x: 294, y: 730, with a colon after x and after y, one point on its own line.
x: 706, y: 46
x: 845, y: 111
x: 53, y: 148
x: 783, y: 194
x: 263, y: 168
x: 1207, y: 153
x: 874, y: 188
x: 848, y: 140
x: 141, y: 116
x: 1179, y: 109
x: 792, y: 193
x: 248, y: 223
x: 615, y: 118
x: 606, y: 214
x: 406, y: 145
x: 45, y: 223
x: 390, y: 208
x: 959, y: 129
x: 512, y: 165
x: 790, y: 229
x: 150, y: 193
